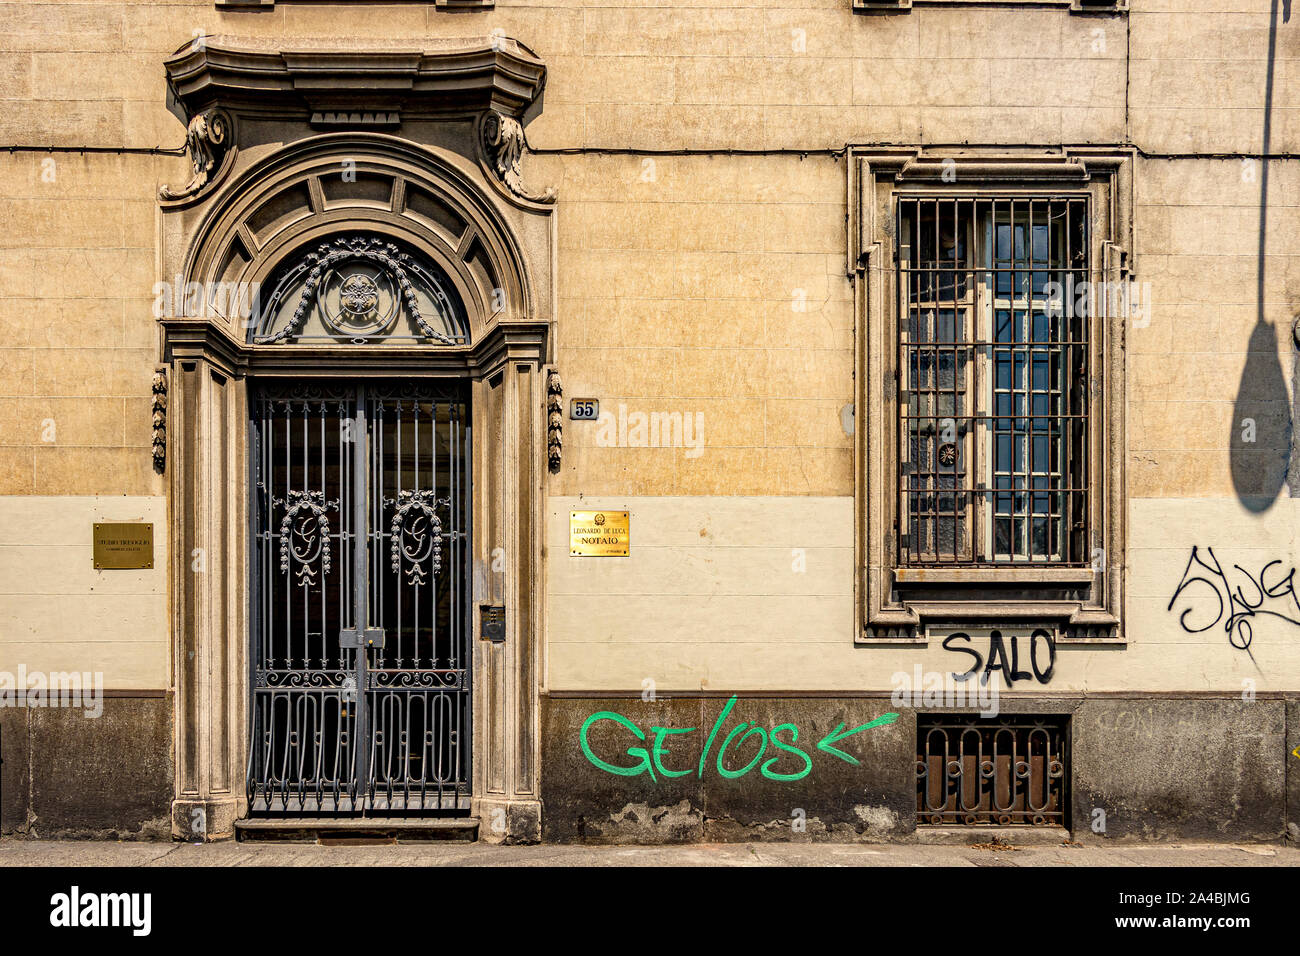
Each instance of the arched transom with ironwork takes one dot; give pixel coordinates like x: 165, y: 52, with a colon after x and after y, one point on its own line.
x: 357, y: 238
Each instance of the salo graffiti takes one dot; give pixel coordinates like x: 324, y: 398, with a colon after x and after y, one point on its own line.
x: 789, y: 761
x: 997, y: 660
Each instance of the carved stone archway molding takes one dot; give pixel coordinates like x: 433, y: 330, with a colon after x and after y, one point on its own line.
x: 282, y: 189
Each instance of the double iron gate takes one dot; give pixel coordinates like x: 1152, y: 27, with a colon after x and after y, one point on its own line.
x: 361, y: 601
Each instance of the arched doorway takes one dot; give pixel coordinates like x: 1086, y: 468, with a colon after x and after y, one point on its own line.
x: 360, y: 493
x: 359, y: 450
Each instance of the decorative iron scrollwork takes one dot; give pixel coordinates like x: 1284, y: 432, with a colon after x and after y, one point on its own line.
x: 160, y: 420
x: 360, y: 295
x: 417, y: 678
x: 554, y: 418
x: 503, y: 144
x: 305, y: 534
x: 263, y: 677
x: 207, y: 139
x: 416, y: 533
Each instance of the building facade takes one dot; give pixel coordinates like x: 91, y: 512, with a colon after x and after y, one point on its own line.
x: 818, y: 419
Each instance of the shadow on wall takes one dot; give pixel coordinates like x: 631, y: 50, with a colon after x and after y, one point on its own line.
x: 1261, y: 424
x: 1261, y: 427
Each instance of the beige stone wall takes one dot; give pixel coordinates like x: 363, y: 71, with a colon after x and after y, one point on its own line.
x: 708, y: 284
x: 756, y: 593
x: 78, y: 331
x: 715, y: 287
x: 1198, y: 234
x: 59, y: 613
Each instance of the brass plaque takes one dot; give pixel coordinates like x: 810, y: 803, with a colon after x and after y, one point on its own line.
x: 599, y: 534
x: 120, y: 547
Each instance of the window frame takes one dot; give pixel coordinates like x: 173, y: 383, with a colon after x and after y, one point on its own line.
x: 899, y: 602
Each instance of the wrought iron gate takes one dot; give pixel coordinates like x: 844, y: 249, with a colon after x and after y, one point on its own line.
x: 361, y: 604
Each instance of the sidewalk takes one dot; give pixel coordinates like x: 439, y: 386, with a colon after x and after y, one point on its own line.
x: 84, y: 854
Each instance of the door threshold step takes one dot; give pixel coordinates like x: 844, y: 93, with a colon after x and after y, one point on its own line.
x: 356, y: 830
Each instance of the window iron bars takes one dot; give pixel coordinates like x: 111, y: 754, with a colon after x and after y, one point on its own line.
x: 992, y: 371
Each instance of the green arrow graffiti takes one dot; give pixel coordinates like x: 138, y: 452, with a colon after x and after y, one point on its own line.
x: 826, y: 744
x: 651, y: 759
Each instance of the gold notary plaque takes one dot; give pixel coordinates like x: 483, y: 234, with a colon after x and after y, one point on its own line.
x: 120, y: 547
x: 598, y: 534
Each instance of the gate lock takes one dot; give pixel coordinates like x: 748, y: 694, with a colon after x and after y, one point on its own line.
x: 361, y: 637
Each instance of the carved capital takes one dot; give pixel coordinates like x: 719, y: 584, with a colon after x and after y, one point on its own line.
x: 503, y: 145
x: 208, y: 140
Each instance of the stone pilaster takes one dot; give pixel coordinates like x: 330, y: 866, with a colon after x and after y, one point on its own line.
x: 207, y: 479
x: 510, y: 412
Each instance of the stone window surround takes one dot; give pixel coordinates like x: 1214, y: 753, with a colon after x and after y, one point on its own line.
x: 890, y: 607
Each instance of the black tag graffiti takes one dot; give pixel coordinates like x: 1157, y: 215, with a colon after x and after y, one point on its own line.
x: 997, y: 659
x: 1239, y: 608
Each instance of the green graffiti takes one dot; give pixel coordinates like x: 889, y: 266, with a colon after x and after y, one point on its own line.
x: 826, y: 744
x: 713, y: 733
x: 790, y: 748
x: 659, y: 750
x: 631, y: 751
x: 733, y: 774
x: 651, y: 761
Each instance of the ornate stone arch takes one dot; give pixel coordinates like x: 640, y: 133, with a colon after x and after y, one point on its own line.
x: 276, y: 187
x: 314, y: 189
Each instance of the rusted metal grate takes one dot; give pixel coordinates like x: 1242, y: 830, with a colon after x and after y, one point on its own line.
x: 992, y: 379
x: 1008, y: 771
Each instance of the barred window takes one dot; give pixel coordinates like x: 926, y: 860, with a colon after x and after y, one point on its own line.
x: 992, y: 373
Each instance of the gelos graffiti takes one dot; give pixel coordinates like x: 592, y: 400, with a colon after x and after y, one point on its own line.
x: 789, y: 761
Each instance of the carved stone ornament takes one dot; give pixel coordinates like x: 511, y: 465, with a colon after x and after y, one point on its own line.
x: 207, y: 141
x: 503, y: 144
x: 160, y: 420
x: 359, y: 293
x: 554, y: 419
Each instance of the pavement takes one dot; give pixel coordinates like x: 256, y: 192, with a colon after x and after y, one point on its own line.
x: 24, y: 852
